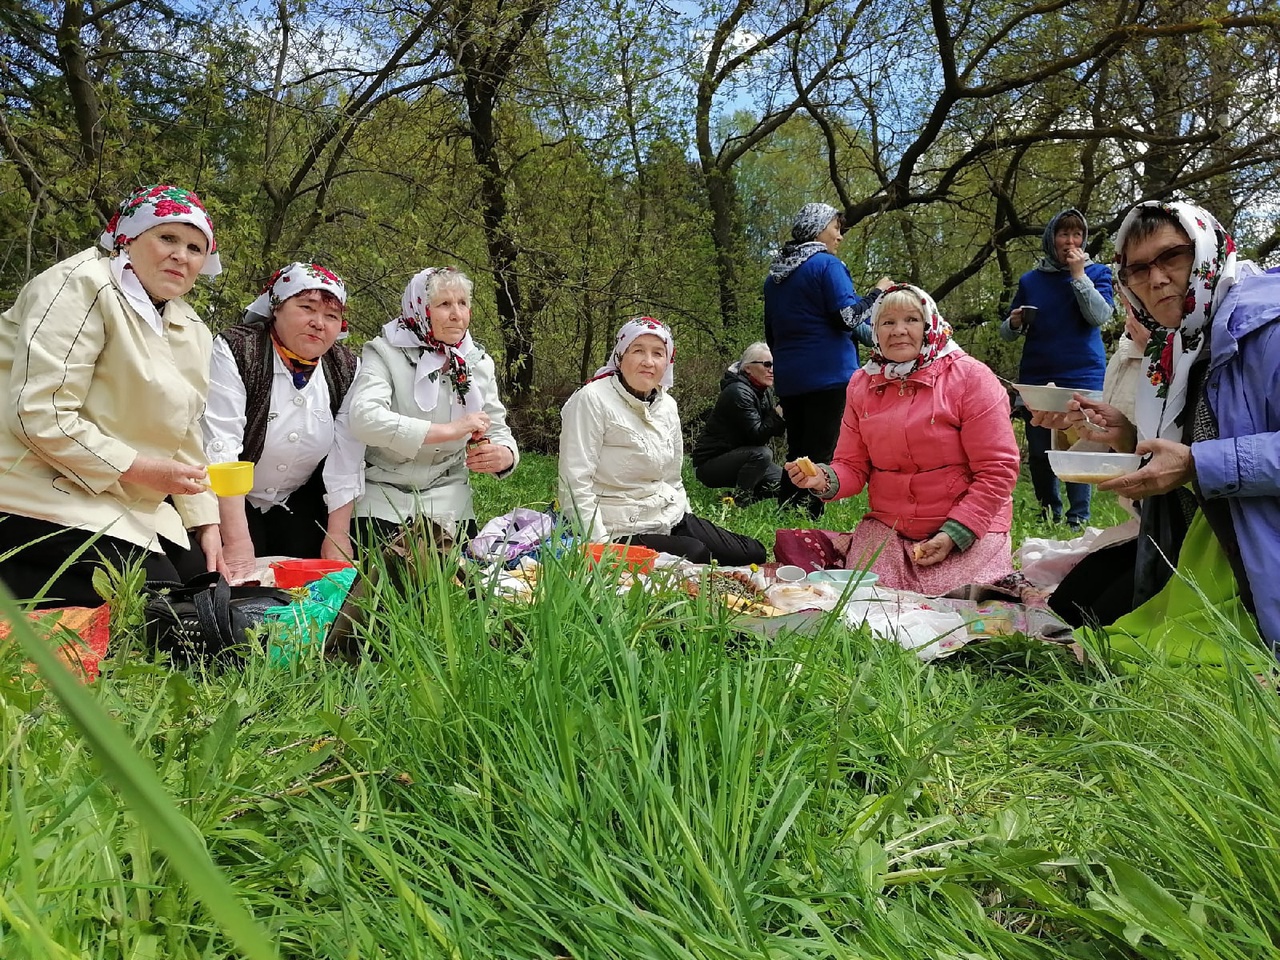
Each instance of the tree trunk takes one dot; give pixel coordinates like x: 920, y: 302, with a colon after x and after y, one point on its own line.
x: 720, y: 198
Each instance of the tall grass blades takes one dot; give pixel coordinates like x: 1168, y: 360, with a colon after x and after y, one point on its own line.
x: 610, y: 773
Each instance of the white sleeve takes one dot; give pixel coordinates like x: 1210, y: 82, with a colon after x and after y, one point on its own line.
x: 372, y: 420
x: 674, y: 475
x: 344, y: 467
x: 498, y: 432
x: 581, y: 444
x: 224, y: 418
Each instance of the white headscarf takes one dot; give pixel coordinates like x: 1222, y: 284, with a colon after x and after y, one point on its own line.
x: 936, y: 343
x: 143, y: 209
x: 289, y: 282
x: 1162, y: 399
x: 639, y: 327
x: 438, y: 361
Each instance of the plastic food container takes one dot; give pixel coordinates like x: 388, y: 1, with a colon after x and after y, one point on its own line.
x: 1051, y: 399
x: 233, y: 479
x: 298, y: 573
x: 1079, y: 467
x: 635, y: 559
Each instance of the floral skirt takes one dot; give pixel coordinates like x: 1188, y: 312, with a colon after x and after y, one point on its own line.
x: 876, y: 545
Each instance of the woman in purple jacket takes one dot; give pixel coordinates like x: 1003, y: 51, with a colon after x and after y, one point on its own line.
x: 1206, y: 417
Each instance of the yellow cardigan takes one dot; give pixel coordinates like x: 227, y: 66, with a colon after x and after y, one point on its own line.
x: 87, y: 387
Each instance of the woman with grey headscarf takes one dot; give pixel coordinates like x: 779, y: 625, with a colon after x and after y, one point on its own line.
x: 813, y: 321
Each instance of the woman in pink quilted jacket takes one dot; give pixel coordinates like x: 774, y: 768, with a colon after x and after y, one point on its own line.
x: 926, y: 430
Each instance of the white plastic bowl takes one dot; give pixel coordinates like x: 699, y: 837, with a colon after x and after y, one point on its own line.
x: 864, y: 578
x: 1080, y: 467
x: 1051, y: 399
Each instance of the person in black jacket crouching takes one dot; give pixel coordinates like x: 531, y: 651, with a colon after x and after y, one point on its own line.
x: 733, y: 450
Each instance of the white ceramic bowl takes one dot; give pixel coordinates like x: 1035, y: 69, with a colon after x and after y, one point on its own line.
x: 1051, y: 399
x: 789, y: 573
x: 1079, y: 467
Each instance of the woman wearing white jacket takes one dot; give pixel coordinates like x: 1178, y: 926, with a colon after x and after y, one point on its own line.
x: 425, y: 403
x: 621, y: 453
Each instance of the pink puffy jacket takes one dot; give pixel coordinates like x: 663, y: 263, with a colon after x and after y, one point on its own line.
x: 935, y: 446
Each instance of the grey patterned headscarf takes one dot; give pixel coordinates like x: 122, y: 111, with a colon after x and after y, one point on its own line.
x: 808, y: 223
x: 811, y: 221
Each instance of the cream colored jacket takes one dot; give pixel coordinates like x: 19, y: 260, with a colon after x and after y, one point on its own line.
x: 620, y: 461
x: 404, y: 479
x: 89, y: 387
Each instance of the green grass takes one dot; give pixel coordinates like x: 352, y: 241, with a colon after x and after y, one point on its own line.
x: 601, y: 775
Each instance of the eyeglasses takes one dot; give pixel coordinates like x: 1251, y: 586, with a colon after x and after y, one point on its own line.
x: 1171, y: 261
x: 767, y: 364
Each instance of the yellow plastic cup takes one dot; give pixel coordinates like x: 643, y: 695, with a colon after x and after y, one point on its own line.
x: 233, y: 479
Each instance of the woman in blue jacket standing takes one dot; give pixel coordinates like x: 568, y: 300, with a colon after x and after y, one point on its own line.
x: 1073, y: 300
x: 813, y: 322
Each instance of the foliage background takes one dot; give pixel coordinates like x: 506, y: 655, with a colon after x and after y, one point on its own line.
x: 586, y: 160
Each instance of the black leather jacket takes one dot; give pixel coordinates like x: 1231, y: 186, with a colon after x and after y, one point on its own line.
x: 744, y: 416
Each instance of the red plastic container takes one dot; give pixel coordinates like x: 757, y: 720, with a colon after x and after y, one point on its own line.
x: 298, y: 573
x: 635, y: 559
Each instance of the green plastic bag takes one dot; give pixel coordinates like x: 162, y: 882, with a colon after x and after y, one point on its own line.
x: 307, y: 622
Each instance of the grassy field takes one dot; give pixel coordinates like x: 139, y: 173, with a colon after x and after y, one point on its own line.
x: 619, y: 776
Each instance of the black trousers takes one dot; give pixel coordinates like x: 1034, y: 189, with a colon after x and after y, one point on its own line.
x: 296, y: 531
x: 749, y: 470
x: 1099, y: 589
x: 813, y: 427
x: 26, y: 571
x: 702, y: 541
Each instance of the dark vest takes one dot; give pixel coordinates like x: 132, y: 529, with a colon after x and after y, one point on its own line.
x: 254, y: 354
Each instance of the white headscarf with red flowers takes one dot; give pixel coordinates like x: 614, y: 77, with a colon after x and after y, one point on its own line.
x: 1162, y: 399
x: 290, y: 281
x: 936, y: 343
x: 640, y: 327
x: 438, y: 360
x: 143, y: 209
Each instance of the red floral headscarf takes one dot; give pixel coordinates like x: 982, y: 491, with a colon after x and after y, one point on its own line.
x: 639, y: 327
x: 151, y: 206
x: 937, y: 340
x: 1172, y: 352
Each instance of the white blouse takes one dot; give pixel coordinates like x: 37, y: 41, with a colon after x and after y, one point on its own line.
x: 301, y: 431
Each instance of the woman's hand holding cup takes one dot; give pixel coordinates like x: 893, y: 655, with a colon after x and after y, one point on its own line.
x: 167, y: 476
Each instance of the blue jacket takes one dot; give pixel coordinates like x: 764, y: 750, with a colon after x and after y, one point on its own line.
x: 812, y: 317
x: 1243, y: 464
x: 1063, y: 345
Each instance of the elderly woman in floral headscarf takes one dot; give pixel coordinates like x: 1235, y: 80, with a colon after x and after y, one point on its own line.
x: 926, y: 429
x: 279, y: 399
x: 621, y: 453
x: 1206, y: 419
x: 426, y: 404
x: 105, y: 369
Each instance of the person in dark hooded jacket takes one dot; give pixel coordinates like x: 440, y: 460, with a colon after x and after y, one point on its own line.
x: 1063, y: 345
x: 733, y: 450
x: 813, y: 322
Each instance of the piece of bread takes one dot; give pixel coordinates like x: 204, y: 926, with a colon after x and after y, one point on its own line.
x: 807, y: 467
x: 918, y: 551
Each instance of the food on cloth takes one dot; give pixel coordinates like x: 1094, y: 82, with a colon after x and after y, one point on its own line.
x: 735, y: 588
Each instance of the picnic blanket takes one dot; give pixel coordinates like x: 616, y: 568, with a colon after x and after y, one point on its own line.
x: 80, y: 633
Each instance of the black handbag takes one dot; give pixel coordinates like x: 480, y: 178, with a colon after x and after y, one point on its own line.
x: 206, y: 618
